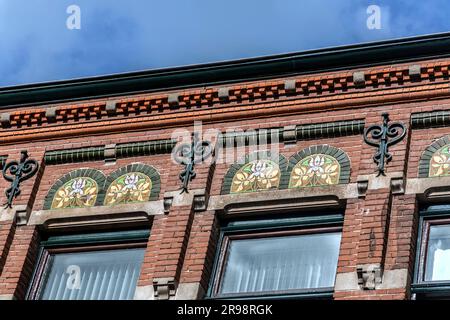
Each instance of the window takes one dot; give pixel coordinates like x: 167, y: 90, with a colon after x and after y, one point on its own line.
x: 102, y: 266
x: 432, y: 274
x: 278, y: 258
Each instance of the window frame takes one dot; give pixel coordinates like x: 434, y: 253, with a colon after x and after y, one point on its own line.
x: 264, y: 228
x: 432, y: 215
x: 103, y: 241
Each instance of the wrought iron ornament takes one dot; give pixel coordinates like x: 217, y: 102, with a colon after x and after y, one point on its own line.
x: 20, y: 171
x: 383, y: 136
x: 189, y: 155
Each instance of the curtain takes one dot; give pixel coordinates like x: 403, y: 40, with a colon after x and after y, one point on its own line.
x: 97, y: 275
x: 441, y: 265
x: 281, y: 263
x: 438, y: 254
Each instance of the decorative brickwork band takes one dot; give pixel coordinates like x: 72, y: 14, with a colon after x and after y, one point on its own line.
x: 434, y: 161
x: 260, y: 171
x: 134, y: 183
x: 317, y: 166
x: 79, y: 188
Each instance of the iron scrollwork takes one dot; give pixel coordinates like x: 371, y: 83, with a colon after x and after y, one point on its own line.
x: 190, y: 154
x: 383, y: 136
x: 19, y: 171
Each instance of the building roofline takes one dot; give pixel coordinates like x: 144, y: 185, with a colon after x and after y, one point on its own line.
x: 219, y: 73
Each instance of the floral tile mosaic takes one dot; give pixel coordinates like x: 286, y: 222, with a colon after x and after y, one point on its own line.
x: 78, y: 192
x: 315, y: 170
x: 255, y: 176
x: 130, y: 187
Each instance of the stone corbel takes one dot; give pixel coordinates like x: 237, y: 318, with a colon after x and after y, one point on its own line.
x: 20, y: 213
x: 200, y: 202
x: 197, y: 197
x: 398, y: 185
x: 369, y: 276
x: 164, y: 288
x: 394, y: 181
x: 167, y: 204
x: 362, y: 186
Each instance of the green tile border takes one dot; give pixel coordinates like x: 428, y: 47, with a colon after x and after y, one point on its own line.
x: 74, y: 155
x: 425, y: 158
x: 336, y: 153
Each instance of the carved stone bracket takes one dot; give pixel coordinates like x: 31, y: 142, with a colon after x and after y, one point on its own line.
x: 164, y: 288
x: 362, y: 186
x: 168, y: 201
x: 20, y: 213
x: 369, y: 276
x: 201, y: 202
x: 398, y: 185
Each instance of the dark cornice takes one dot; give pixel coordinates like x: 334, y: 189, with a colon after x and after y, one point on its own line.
x: 328, y: 59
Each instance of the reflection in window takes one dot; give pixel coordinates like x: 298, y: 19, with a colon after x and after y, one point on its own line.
x: 95, y: 275
x: 438, y: 254
x: 281, y: 263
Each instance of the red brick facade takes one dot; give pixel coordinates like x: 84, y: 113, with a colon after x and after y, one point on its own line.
x: 380, y: 226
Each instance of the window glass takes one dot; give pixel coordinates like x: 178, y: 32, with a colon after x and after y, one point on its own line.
x: 281, y: 263
x: 94, y: 275
x: 438, y: 254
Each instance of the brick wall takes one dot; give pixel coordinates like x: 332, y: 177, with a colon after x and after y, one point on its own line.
x: 380, y: 228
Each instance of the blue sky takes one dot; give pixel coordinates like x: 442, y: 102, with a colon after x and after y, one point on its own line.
x: 128, y: 35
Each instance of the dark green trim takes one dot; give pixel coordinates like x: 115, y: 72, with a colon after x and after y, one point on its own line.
x: 321, y: 60
x: 149, y: 171
x: 96, y: 238
x: 252, y: 137
x: 425, y: 158
x: 94, y: 174
x: 261, y: 155
x: 303, y: 132
x: 125, y: 150
x: 330, y: 129
x: 283, y: 222
x: 74, y: 155
x: 256, y: 137
x: 427, y: 213
x: 430, y: 119
x: 336, y: 153
x: 315, y: 294
x: 147, y: 148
